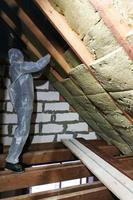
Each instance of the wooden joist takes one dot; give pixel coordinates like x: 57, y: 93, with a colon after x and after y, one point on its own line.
x: 42, y: 175
x: 85, y: 192
x: 113, y: 179
x: 45, y: 156
x: 118, y: 163
x: 53, y: 153
x: 56, y: 152
x: 97, y: 193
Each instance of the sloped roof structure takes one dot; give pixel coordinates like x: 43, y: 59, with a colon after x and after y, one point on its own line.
x: 94, y: 67
x: 91, y: 43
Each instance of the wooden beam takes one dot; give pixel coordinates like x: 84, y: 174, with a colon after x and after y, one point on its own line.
x: 42, y: 157
x: 113, y: 179
x: 57, y: 145
x: 55, y: 152
x: 42, y: 175
x: 122, y: 167
x: 58, y: 192
x: 96, y: 193
x: 114, y: 22
x: 65, y: 31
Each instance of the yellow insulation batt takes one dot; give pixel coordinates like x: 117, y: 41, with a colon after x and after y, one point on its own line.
x: 87, y: 23
x: 103, y: 95
x: 125, y: 8
x: 75, y: 96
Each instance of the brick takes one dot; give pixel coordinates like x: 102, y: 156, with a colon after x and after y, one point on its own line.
x: 43, y: 138
x: 41, y: 85
x: 8, y: 118
x: 52, y: 128
x: 38, y: 107
x: 67, y: 117
x: 64, y: 136
x: 9, y: 107
x: 4, y: 129
x: 89, y: 136
x: 81, y: 126
x: 42, y: 117
x: 59, y: 106
x: 48, y: 96
x: 6, y: 140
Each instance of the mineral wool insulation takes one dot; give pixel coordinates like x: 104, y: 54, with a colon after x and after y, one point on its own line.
x: 113, y: 71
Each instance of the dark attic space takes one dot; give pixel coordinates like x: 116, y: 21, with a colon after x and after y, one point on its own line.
x: 66, y: 99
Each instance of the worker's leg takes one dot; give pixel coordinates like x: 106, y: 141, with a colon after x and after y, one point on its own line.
x: 21, y: 133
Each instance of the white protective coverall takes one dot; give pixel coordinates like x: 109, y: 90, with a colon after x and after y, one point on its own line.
x: 21, y: 92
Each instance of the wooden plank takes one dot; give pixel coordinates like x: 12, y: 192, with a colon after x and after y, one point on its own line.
x: 114, y: 22
x: 55, y: 145
x: 108, y: 158
x: 55, y: 152
x: 55, y: 192
x: 113, y: 179
x: 96, y: 193
x: 42, y: 157
x: 66, y: 32
x: 42, y: 175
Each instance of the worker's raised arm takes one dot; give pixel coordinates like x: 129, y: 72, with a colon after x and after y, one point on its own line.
x: 31, y: 67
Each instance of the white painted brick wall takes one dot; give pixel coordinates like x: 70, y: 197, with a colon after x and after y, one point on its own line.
x: 52, y: 116
x: 81, y: 126
x: 4, y: 129
x: 52, y: 128
x: 64, y: 136
x: 9, y: 107
x: 57, y: 106
x: 9, y: 118
x: 48, y: 96
x: 67, y: 117
x: 43, y: 138
x: 42, y: 117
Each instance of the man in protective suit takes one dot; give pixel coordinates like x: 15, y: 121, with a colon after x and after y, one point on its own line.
x: 21, y: 92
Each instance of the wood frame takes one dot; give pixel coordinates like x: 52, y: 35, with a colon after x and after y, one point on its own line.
x: 56, y: 153
x: 117, y: 182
